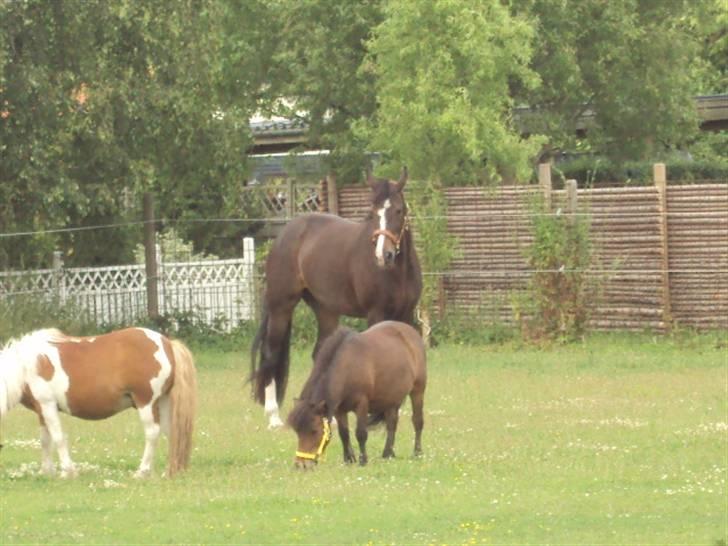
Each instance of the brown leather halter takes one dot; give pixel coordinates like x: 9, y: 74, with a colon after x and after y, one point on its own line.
x: 391, y: 236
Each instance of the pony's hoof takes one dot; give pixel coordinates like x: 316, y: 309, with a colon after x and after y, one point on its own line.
x: 142, y: 474
x: 388, y: 454
x: 417, y: 453
x: 69, y: 473
x: 363, y: 461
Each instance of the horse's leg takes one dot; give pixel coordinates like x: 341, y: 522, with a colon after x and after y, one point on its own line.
x: 418, y: 420
x: 150, y: 422
x: 53, y: 425
x: 391, y: 416
x: 343, y: 423
x: 278, y: 325
x: 46, y: 444
x: 362, y: 419
x: 327, y: 320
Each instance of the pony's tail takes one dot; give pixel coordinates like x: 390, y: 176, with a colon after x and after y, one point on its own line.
x: 262, y: 372
x: 184, y: 406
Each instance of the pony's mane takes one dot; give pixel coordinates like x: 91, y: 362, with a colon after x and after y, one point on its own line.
x: 311, y: 392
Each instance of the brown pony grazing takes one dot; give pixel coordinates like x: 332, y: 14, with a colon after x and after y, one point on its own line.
x: 96, y: 377
x: 338, y: 267
x: 370, y: 374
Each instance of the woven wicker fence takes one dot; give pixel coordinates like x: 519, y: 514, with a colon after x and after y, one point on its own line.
x: 661, y: 251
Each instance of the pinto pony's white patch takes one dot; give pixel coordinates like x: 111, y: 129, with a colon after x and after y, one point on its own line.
x: 19, y: 365
x: 382, y: 213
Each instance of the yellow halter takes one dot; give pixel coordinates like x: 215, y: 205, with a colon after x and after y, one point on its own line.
x: 325, y: 439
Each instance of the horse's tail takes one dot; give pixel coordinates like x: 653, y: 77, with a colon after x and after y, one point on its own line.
x: 184, y: 405
x: 262, y: 372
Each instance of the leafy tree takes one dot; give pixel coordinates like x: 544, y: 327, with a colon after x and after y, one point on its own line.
x: 100, y: 101
x: 443, y: 70
x: 626, y: 64
x: 316, y: 74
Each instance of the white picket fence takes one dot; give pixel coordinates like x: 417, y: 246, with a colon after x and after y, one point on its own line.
x: 220, y: 292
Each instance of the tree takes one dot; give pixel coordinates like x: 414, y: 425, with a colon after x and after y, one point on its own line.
x: 100, y: 101
x: 626, y: 65
x: 443, y: 70
x: 316, y: 74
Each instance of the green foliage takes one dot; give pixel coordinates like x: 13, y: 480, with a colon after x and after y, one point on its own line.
x: 436, y: 246
x: 556, y: 304
x: 443, y: 70
x: 317, y: 74
x: 24, y: 313
x: 627, y: 66
x: 589, y: 170
x: 173, y: 248
x: 103, y: 100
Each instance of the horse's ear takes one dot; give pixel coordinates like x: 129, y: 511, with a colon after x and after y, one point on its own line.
x: 402, y: 178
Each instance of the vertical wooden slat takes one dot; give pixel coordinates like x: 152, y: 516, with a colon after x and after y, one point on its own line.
x: 660, y: 179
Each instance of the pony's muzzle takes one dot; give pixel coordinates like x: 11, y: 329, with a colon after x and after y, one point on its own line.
x: 304, y: 464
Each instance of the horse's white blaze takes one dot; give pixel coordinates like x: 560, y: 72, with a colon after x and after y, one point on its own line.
x: 382, y: 213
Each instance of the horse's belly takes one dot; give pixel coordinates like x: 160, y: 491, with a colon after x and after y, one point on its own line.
x: 99, y: 406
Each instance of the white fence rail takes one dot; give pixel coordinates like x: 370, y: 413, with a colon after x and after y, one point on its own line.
x: 220, y: 292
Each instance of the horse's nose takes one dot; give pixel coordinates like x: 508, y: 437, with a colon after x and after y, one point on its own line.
x: 389, y: 256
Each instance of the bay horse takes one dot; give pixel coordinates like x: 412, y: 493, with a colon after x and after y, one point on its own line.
x: 94, y: 378
x: 365, y: 269
x: 368, y: 373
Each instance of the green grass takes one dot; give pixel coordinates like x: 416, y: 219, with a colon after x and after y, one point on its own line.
x: 620, y: 440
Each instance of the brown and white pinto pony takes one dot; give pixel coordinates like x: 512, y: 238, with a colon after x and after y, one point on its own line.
x: 48, y: 371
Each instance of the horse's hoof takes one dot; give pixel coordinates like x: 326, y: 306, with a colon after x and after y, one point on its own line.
x: 49, y: 471
x: 275, y: 423
x: 417, y: 453
x: 388, y: 455
x: 362, y: 461
x: 142, y: 474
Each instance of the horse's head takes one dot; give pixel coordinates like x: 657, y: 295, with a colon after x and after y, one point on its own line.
x: 389, y: 216
x: 309, y: 421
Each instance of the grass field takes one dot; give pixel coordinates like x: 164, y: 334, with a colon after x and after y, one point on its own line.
x: 618, y: 440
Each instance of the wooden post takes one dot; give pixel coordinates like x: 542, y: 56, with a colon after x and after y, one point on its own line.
x: 332, y: 194
x: 660, y: 177
x: 290, y: 199
x: 571, y: 200
x: 150, y: 257
x: 58, y: 283
x: 544, y: 181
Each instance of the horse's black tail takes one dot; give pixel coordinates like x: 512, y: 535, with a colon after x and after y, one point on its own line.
x: 262, y: 372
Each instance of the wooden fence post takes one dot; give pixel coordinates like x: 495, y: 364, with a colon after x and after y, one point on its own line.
x: 660, y: 178
x: 58, y: 280
x: 571, y: 199
x: 332, y: 194
x: 291, y: 199
x: 544, y: 181
x: 150, y: 257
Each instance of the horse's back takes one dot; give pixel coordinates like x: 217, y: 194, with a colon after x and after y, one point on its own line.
x: 396, y: 353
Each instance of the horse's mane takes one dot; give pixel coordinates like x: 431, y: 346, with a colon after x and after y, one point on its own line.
x: 311, y: 392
